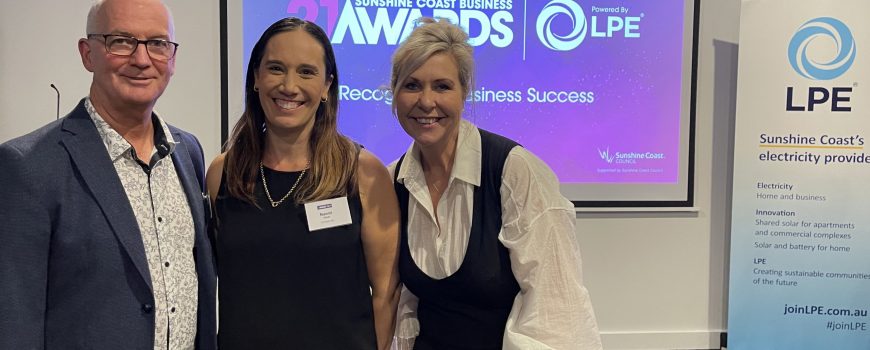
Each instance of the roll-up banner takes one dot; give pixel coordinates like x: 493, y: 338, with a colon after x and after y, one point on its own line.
x: 800, y: 238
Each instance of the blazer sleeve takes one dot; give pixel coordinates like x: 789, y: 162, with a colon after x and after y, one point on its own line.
x: 194, y: 149
x: 25, y: 233
x: 203, y: 254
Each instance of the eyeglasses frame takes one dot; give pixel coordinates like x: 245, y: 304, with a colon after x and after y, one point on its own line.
x: 138, y: 41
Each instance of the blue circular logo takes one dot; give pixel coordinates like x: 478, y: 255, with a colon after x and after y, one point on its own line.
x: 545, y: 21
x: 803, y: 59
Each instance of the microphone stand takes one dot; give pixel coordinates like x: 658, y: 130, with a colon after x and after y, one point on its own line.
x: 57, y: 116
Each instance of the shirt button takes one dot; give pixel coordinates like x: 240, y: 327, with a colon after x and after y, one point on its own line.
x: 172, y: 309
x: 166, y: 264
x: 159, y: 219
x: 147, y: 308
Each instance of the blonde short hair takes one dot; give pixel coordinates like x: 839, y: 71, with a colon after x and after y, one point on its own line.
x: 432, y: 37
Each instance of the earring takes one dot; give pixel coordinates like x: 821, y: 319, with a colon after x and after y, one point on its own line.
x: 323, y: 100
x: 256, y: 89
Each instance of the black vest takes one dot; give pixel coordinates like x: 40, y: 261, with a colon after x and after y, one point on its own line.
x: 468, y: 309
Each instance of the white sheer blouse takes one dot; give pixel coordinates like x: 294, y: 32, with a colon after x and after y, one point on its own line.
x: 553, y: 309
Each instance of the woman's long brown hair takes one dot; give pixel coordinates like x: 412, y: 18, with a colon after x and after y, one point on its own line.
x: 334, y: 156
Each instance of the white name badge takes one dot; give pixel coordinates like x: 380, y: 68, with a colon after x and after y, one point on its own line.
x: 327, y: 213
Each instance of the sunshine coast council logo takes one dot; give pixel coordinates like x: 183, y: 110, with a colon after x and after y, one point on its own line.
x: 545, y: 22
x: 808, y: 55
x: 605, y: 155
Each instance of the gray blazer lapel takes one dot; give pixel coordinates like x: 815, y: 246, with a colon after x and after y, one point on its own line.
x: 188, y: 177
x: 91, y: 159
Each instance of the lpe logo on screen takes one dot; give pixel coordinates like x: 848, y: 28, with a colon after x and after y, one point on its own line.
x: 614, y: 24
x: 561, y: 25
x: 821, y: 49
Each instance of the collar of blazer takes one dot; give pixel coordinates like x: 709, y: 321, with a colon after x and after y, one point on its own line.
x: 90, y: 159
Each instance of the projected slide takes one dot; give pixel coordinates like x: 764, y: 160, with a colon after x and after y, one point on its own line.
x: 597, y: 89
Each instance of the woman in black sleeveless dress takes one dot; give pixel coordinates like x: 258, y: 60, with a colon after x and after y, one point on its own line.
x: 306, y: 224
x: 488, y: 253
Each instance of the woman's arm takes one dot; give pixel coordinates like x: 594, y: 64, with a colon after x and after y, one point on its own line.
x: 380, y: 237
x: 553, y: 309
x: 212, y: 184
x: 213, y: 177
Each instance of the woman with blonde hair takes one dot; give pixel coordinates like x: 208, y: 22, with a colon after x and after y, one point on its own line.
x: 488, y: 256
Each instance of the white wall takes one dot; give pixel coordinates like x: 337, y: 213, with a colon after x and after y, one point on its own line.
x: 658, y: 280
x: 38, y: 47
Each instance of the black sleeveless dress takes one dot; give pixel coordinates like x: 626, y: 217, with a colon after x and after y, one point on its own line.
x: 283, y: 287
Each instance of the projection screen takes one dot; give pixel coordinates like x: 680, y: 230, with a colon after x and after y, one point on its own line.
x: 602, y: 91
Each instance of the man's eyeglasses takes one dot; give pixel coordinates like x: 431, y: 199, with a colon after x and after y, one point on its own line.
x: 123, y: 45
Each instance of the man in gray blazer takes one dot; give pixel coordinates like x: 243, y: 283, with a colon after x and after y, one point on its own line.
x: 102, y: 213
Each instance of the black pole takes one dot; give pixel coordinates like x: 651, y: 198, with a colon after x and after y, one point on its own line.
x: 224, y: 76
x: 57, y: 113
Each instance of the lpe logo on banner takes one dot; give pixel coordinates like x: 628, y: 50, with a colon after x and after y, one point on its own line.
x: 807, y: 55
